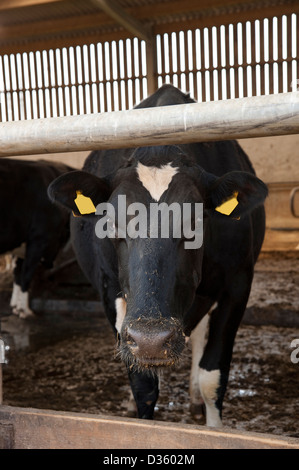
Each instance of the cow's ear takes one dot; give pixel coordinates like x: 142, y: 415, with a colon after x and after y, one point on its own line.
x: 79, y: 192
x: 235, y: 193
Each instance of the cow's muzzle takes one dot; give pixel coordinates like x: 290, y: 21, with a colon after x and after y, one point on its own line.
x: 153, y: 343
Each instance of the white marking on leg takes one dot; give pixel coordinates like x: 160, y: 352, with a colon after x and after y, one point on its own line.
x: 121, y: 310
x: 209, y: 381
x: 156, y: 180
x: 15, y: 295
x: 23, y: 305
x: 197, y: 339
x: 131, y: 405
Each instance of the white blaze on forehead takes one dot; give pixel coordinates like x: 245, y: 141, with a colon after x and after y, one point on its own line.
x: 156, y: 180
x: 121, y: 310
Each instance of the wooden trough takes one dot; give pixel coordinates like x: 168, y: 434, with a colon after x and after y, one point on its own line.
x: 24, y: 428
x: 233, y: 119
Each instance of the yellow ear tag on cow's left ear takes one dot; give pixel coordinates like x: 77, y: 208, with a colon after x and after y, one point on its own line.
x: 228, y: 206
x: 84, y: 204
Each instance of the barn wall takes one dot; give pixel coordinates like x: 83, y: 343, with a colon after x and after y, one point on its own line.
x: 275, y: 159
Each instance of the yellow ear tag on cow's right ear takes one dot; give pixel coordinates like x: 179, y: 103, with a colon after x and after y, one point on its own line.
x: 228, y: 206
x: 84, y: 204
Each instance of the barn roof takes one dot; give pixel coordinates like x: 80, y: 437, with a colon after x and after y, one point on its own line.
x: 43, y: 24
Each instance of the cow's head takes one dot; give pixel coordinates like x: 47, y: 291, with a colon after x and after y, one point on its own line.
x: 158, y: 276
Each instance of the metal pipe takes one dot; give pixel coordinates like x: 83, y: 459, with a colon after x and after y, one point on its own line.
x: 257, y: 116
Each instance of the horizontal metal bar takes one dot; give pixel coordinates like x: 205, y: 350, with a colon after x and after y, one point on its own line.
x: 257, y: 116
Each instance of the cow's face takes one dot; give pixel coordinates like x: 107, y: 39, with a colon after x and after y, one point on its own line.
x: 158, y: 274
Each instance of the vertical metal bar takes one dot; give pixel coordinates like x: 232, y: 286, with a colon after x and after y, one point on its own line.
x: 262, y: 56
x: 19, y: 83
x: 85, y: 77
x: 97, y: 65
x: 70, y: 80
x: 271, y: 88
x: 59, y: 84
x: 279, y: 55
x: 108, y: 77
x: 36, y: 85
x: 43, y: 85
x: 186, y: 61
x: 244, y: 60
x: 203, y: 75
x: 77, y: 78
x: 162, y: 58
x: 80, y: 49
x: 218, y: 42
x: 179, y: 64
x: 58, y: 106
x: 5, y: 90
x: 66, y: 79
x: 24, y: 86
x: 236, y: 62
x: 140, y: 69
x: 50, y: 84
x: 133, y: 71
x: 253, y: 58
x: 118, y: 78
x: 227, y: 64
x: 126, y: 71
x: 47, y: 55
x: 92, y: 104
x: 194, y: 64
x: 171, y: 72
x: 211, y: 64
x: 31, y: 87
x: 289, y: 52
x: 111, y: 76
x: 11, y: 86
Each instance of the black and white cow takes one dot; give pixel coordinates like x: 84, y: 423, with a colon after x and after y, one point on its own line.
x: 156, y: 292
x: 28, y: 219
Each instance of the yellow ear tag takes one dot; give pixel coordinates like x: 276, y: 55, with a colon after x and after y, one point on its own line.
x: 228, y: 206
x: 84, y: 204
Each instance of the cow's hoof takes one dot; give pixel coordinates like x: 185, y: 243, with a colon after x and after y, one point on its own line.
x: 131, y: 408
x: 23, y: 313
x: 26, y: 314
x: 198, y: 412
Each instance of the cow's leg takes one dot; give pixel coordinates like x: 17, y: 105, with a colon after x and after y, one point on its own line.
x: 15, y: 297
x: 197, y: 339
x: 215, y: 363
x: 19, y: 300
x: 145, y: 389
x: 34, y: 253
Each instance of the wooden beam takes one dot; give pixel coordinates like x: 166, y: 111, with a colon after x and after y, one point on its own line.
x: 257, y: 116
x: 151, y: 67
x: 112, y: 8
x: 67, y: 31
x: 43, y: 429
x: 13, y: 4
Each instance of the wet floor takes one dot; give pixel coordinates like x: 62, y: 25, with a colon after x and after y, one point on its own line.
x: 69, y: 363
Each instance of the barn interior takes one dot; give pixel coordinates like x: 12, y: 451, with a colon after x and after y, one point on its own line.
x: 68, y: 57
